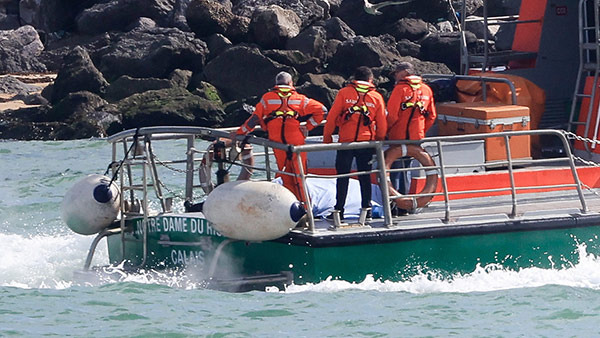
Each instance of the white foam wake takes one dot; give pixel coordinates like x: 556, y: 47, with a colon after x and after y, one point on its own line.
x: 43, y: 261
x: 492, y: 277
x: 50, y: 262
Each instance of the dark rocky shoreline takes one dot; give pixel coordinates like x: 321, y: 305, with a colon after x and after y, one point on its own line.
x: 130, y: 63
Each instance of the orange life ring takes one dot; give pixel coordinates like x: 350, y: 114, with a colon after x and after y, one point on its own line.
x: 205, y: 169
x: 410, y: 203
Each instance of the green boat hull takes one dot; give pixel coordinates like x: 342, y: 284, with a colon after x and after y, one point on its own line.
x: 193, y: 243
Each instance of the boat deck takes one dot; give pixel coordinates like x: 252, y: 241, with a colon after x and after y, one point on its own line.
x: 535, y: 211
x: 546, y: 189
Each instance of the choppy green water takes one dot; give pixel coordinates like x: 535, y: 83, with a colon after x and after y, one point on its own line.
x: 39, y: 294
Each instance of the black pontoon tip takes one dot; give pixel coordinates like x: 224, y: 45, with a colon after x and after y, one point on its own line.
x: 297, y: 211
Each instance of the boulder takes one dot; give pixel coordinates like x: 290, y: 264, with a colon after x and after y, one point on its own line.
x: 151, y: 53
x: 321, y: 87
x: 8, y: 22
x: 503, y: 7
x: 421, y: 67
x: 94, y: 124
x: 427, y: 67
x: 295, y: 58
x: 207, y: 17
x: 47, y: 92
x: 115, y: 15
x: 236, y: 112
x: 126, y: 86
x: 78, y: 74
x: 334, y: 6
x: 364, y: 51
x: 444, y: 26
x: 242, y: 71
x: 320, y: 93
x: 55, y: 51
x: 172, y: 106
x: 180, y: 78
x: 20, y: 50
x: 217, y: 43
x: 331, y: 47
x: 74, y: 105
x: 30, y: 99
x: 272, y: 26
x: 338, y: 29
x: 472, y: 6
x: 51, y: 15
x: 409, y: 28
x: 28, y: 131
x: 408, y: 48
x: 78, y: 114
x: 239, y: 29
x: 353, y: 13
x: 9, y: 6
x: 324, y: 80
x: 30, y: 12
x: 26, y: 115
x: 207, y: 91
x: 445, y: 47
x: 141, y: 24
x: 11, y: 85
x: 478, y: 28
x: 308, y: 11
x: 178, y: 19
x: 310, y: 41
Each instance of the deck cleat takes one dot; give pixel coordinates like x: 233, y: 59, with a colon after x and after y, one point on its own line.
x: 365, y: 216
x: 336, y: 217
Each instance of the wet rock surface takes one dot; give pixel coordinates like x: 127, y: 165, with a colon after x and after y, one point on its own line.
x: 118, y: 64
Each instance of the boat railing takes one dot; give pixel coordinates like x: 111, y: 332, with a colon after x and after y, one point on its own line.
x: 149, y: 163
x: 510, y: 163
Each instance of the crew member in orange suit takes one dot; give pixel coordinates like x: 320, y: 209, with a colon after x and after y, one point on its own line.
x: 411, y: 112
x: 280, y: 112
x: 359, y: 113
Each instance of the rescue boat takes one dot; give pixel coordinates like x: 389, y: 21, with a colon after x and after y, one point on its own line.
x: 247, y: 234
x: 496, y: 184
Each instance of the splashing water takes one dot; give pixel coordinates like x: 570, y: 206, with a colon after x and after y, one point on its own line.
x: 51, y: 261
x: 492, y: 277
x: 38, y: 251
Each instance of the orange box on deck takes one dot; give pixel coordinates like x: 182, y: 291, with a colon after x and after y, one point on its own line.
x: 481, y: 117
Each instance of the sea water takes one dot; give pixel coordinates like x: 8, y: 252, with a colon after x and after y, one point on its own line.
x: 41, y: 293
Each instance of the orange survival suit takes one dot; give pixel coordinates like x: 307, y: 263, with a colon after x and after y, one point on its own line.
x: 411, y: 110
x: 360, y: 117
x: 280, y: 112
x: 359, y: 112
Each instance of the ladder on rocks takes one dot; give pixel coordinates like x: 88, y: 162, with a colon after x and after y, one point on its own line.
x: 589, y: 70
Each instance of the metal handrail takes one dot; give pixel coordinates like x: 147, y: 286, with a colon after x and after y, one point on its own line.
x: 506, y: 135
x: 92, y: 250
x: 381, y: 171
